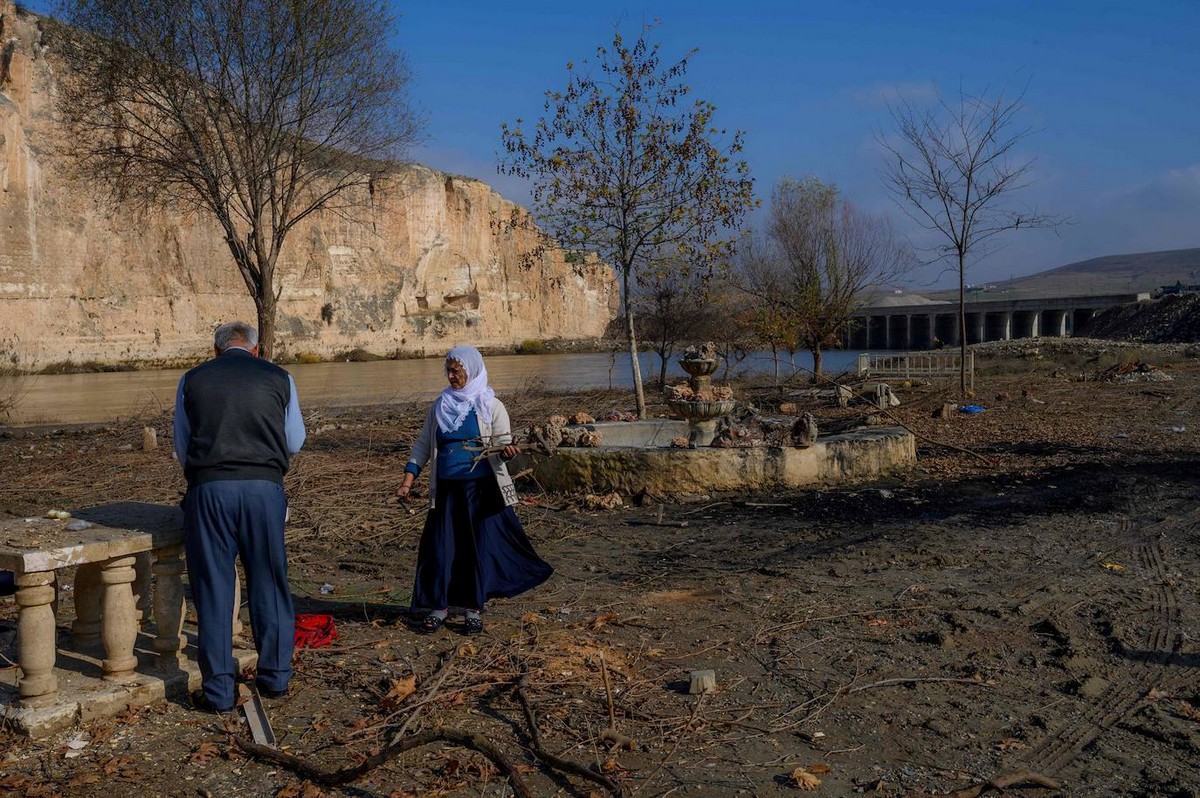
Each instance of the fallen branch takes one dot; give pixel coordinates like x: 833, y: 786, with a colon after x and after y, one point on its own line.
x: 485, y: 450
x: 565, y: 765
x: 705, y: 507
x: 783, y: 627
x: 337, y: 778
x: 915, y: 679
x: 999, y: 784
x: 667, y: 757
x: 611, y: 735
x: 435, y: 685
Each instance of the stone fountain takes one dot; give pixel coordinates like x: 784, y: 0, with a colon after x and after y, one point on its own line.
x: 700, y: 402
x: 640, y: 457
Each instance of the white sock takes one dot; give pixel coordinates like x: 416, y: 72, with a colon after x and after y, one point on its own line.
x: 469, y: 614
x: 439, y: 614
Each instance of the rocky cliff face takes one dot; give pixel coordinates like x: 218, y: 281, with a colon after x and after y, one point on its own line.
x: 419, y: 270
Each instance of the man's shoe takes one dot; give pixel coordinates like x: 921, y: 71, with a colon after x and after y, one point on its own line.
x: 267, y: 692
x: 473, y: 625
x: 200, y: 703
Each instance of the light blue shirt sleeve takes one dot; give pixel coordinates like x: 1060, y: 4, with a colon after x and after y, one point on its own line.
x: 183, y: 427
x: 293, y: 422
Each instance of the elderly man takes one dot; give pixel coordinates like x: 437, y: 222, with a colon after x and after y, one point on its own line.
x: 237, y: 426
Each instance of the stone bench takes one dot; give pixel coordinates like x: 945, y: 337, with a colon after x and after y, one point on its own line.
x: 111, y: 547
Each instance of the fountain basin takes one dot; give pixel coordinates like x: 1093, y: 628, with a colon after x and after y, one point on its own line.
x: 667, y: 471
x: 650, y: 433
x: 701, y: 409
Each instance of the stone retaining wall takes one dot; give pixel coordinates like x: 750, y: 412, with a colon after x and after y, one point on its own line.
x: 670, y: 471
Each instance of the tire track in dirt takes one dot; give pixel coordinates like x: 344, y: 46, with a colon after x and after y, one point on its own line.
x: 1160, y: 641
x: 1041, y: 590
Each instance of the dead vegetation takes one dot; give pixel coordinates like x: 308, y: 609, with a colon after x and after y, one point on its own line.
x: 952, y: 632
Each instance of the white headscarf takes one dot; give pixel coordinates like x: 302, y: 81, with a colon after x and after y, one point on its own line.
x: 453, y: 406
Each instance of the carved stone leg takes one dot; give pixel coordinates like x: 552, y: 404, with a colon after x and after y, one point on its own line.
x: 36, y: 645
x: 85, y: 631
x: 118, y: 626
x: 168, y: 604
x: 142, y: 596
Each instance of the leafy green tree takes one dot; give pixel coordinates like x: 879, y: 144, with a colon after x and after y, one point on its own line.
x: 258, y: 113
x: 625, y: 164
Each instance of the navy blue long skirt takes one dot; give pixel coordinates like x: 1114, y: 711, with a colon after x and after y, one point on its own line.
x: 473, y: 549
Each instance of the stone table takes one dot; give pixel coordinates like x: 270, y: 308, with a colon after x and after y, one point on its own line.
x: 104, y: 544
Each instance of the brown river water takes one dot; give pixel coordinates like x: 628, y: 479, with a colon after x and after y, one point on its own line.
x: 101, y: 397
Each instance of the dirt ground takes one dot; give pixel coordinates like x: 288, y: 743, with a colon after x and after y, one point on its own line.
x: 1027, y: 609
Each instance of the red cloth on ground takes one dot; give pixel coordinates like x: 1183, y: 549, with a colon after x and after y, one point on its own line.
x: 314, y: 631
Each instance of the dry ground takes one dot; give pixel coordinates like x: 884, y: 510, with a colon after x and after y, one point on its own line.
x: 1032, y: 611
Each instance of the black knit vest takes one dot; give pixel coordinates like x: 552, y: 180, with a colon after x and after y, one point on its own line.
x: 236, y: 404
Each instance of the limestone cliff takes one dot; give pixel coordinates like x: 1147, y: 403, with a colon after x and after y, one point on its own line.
x: 424, y: 267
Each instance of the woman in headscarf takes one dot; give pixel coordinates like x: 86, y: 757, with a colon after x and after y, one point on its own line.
x: 473, y: 547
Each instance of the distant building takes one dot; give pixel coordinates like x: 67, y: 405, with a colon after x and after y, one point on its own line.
x: 1178, y: 288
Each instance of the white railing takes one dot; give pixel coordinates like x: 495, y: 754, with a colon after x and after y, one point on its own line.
x: 920, y: 365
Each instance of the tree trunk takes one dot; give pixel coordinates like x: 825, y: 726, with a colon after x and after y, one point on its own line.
x: 261, y: 287
x: 634, y: 365
x: 962, y: 327
x: 815, y: 349
x: 775, y: 358
x: 662, y: 370
x: 266, y: 327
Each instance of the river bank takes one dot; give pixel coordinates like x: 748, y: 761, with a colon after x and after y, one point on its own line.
x: 532, y: 346
x: 1028, y: 604
x: 109, y: 397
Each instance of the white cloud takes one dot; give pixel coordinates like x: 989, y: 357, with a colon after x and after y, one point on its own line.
x: 1174, y: 190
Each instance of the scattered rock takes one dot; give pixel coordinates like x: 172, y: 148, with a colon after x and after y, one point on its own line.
x: 703, y: 681
x: 1092, y: 687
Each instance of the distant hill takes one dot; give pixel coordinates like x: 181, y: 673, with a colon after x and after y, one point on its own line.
x: 1111, y: 274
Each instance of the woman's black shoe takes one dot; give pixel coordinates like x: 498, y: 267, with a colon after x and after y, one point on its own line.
x: 430, y: 624
x: 473, y: 625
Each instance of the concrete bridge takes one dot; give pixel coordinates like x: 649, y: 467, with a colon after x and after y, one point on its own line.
x: 896, y: 325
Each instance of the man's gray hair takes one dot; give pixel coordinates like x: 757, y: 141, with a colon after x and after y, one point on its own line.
x: 235, y: 333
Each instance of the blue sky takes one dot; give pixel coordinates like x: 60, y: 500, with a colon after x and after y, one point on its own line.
x: 1113, y: 89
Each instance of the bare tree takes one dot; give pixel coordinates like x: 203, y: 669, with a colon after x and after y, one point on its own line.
x: 671, y: 307
x: 954, y: 170
x: 730, y: 329
x: 759, y: 271
x: 257, y: 112
x: 828, y: 256
x: 626, y: 165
